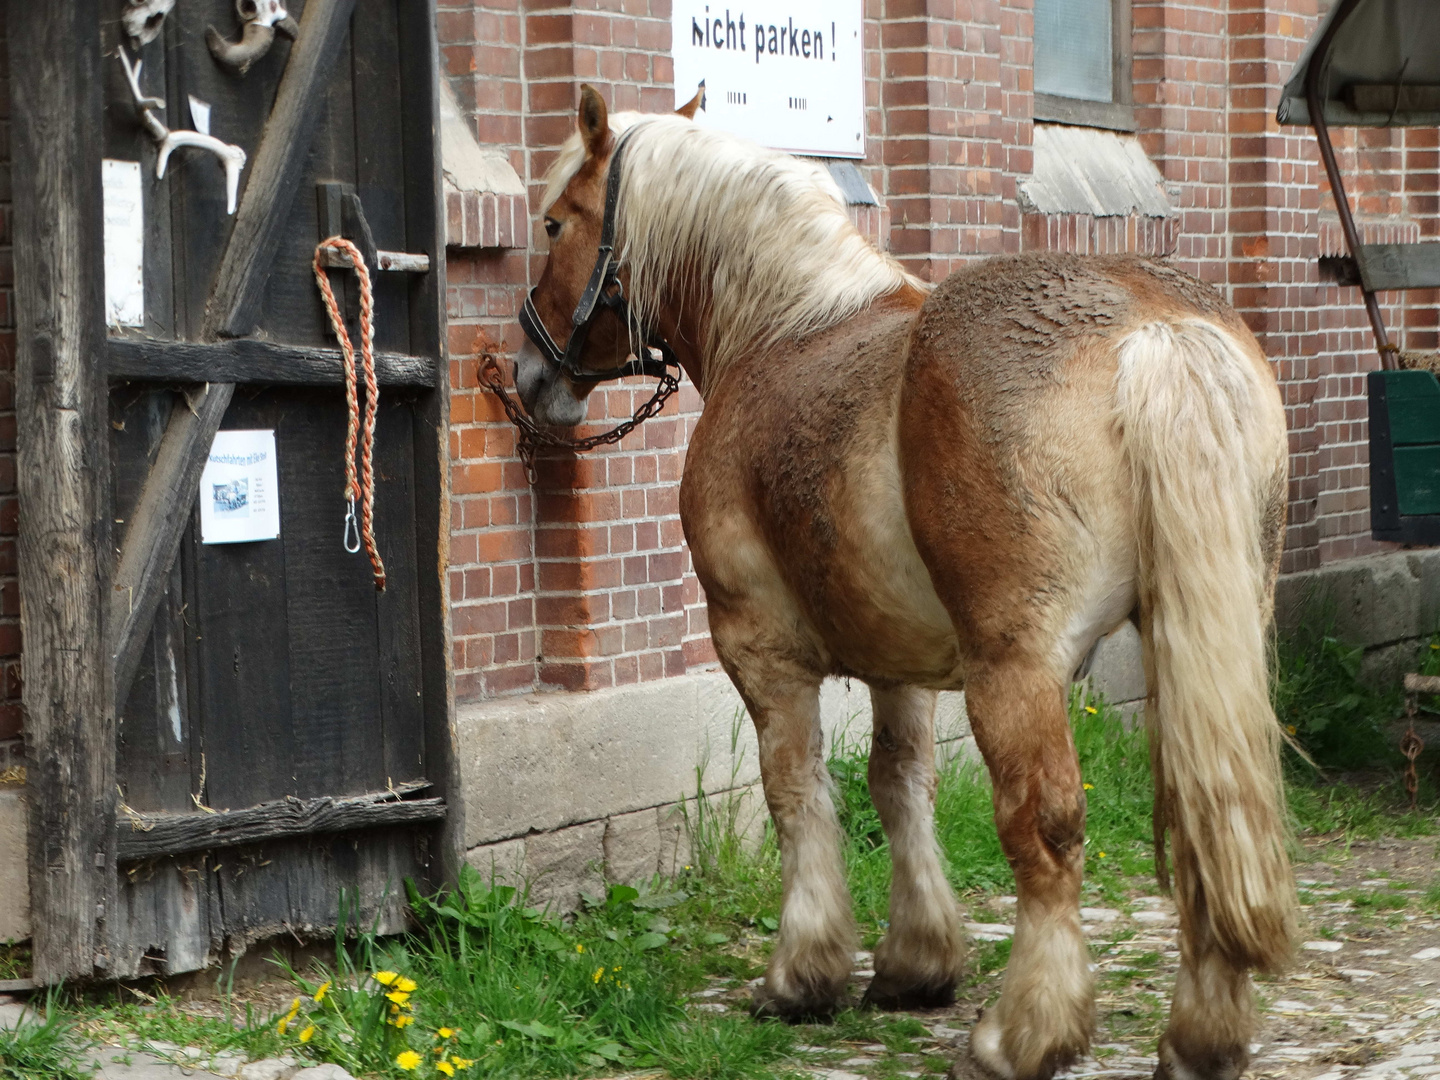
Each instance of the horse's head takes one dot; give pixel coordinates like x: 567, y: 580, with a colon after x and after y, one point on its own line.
x: 578, y: 327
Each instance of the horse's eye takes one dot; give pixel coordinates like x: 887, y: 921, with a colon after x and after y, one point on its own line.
x: 552, y: 228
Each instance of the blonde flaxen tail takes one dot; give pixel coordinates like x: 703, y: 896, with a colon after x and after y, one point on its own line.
x: 1204, y: 433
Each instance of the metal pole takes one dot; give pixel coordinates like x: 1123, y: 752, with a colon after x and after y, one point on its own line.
x: 1316, y: 103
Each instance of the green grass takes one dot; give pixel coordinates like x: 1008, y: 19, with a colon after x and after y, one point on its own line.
x: 49, y: 1049
x: 1323, y: 702
x: 14, y: 960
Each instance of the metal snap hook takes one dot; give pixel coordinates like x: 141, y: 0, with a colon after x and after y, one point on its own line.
x: 352, y: 529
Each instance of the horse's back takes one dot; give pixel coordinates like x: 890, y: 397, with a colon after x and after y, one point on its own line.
x: 1028, y: 513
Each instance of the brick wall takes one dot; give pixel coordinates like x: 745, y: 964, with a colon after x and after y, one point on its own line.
x: 582, y: 580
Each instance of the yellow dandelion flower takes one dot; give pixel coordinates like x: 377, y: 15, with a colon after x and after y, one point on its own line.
x: 598, y: 972
x: 1291, y: 729
x: 399, y: 997
x: 1433, y: 645
x: 1088, y: 787
x: 445, y: 1067
x: 294, y: 1008
x: 307, y: 1034
x: 281, y: 1027
x: 1101, y: 854
x: 446, y: 1033
x: 404, y: 985
x: 616, y: 968
x: 322, y: 991
x: 408, y: 1060
x: 579, y: 946
x: 385, y: 978
x: 462, y: 1063
x: 402, y: 1021
x: 1091, y: 709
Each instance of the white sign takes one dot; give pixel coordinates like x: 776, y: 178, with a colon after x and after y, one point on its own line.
x: 240, y: 490
x: 124, y: 243
x: 788, y: 74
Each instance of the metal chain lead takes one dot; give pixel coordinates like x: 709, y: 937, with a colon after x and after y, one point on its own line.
x: 1411, y: 745
x: 532, y: 437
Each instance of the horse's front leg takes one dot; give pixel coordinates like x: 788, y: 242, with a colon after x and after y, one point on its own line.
x: 1045, y: 1014
x: 922, y: 955
x: 813, y: 957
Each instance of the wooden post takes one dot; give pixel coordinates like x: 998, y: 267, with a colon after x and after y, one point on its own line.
x: 63, y: 478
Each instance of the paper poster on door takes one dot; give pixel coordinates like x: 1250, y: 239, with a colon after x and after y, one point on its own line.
x: 239, y: 490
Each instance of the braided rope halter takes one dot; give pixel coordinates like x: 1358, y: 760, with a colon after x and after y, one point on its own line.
x: 359, y: 487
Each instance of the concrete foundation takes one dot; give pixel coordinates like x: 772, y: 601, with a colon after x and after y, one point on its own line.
x: 14, y: 867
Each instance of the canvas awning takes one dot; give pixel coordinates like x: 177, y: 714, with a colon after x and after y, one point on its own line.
x: 1383, y: 68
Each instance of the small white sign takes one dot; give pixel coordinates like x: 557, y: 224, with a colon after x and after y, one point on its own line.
x: 124, y: 243
x: 240, y: 490
x: 788, y: 74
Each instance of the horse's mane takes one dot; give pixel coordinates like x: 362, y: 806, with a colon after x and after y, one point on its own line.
x: 767, y: 231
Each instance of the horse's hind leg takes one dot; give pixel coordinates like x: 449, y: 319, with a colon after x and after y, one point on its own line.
x: 1045, y: 1014
x: 922, y: 955
x: 1212, y: 1016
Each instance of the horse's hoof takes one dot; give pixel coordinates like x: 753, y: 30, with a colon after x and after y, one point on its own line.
x: 811, y: 1009
x: 967, y: 1067
x: 1213, y: 1063
x: 895, y: 994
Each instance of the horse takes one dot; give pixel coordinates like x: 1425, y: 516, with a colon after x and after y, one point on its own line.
x: 957, y: 487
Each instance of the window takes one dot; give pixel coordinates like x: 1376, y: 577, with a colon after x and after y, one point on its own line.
x: 1082, y: 63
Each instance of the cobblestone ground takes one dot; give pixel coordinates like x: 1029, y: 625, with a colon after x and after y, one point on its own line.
x: 1362, y: 1001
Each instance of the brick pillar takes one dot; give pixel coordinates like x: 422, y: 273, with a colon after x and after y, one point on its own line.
x: 1179, y: 78
x: 945, y: 104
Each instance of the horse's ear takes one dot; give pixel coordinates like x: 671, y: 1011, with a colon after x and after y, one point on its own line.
x: 692, y: 106
x: 593, y: 120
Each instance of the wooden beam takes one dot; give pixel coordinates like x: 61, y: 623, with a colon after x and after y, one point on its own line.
x: 156, y: 527
x: 158, y: 523
x: 425, y: 231
x: 1399, y: 266
x: 63, y: 478
x: 275, y: 178
x: 149, y: 836
x: 245, y: 360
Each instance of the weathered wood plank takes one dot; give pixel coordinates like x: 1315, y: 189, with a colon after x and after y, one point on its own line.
x: 424, y: 225
x: 63, y: 478
x: 1399, y: 266
x: 246, y: 360
x: 156, y: 527
x: 146, y: 836
x: 275, y: 178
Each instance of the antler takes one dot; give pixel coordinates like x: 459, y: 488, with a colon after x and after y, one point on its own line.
x: 231, y: 157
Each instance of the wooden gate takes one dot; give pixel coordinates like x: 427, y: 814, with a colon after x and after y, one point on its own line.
x: 225, y: 739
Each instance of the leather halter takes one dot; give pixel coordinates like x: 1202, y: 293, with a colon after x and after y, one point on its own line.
x: 602, y: 291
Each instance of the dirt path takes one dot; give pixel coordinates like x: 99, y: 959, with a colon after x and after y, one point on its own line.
x: 1363, y: 1000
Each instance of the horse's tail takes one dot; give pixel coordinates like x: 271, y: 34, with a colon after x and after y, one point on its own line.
x: 1204, y: 433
